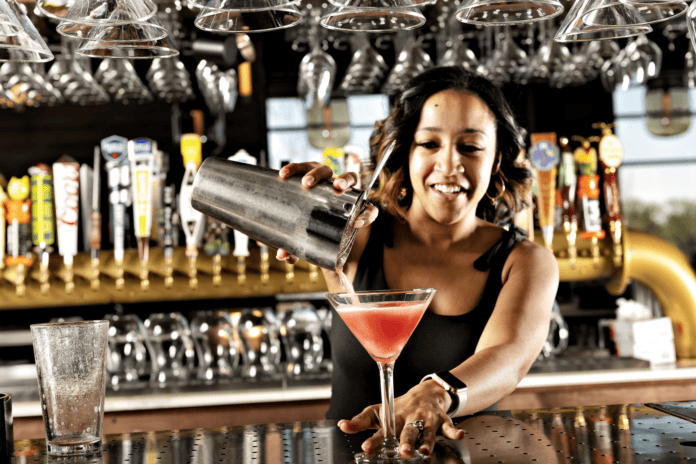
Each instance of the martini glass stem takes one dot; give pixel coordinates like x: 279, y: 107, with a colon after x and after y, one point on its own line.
x: 390, y: 445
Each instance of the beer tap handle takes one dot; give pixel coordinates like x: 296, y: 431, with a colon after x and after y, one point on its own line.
x: 588, y: 195
x: 216, y: 246
x: 18, y: 235
x: 114, y: 150
x: 544, y: 157
x: 167, y: 234
x: 241, y: 252
x: 43, y: 235
x: 568, y: 181
x: 611, y: 156
x: 192, y: 221
x: 3, y: 221
x: 141, y: 156
x: 264, y: 263
x: 313, y: 273
x: 66, y: 179
x: 95, y: 220
x: 241, y: 241
x: 289, y: 273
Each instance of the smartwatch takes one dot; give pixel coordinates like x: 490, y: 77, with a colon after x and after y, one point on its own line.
x: 455, y: 387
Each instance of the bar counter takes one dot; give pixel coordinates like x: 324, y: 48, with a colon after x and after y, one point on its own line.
x: 559, y: 382
x: 664, y: 433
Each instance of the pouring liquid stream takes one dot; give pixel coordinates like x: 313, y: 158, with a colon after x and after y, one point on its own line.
x: 346, y: 284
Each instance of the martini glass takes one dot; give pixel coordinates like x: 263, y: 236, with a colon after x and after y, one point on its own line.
x: 383, y: 321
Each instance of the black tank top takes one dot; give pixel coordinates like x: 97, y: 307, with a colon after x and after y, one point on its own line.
x: 438, y: 343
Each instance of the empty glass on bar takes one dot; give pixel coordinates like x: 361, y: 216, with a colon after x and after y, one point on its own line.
x: 71, y: 367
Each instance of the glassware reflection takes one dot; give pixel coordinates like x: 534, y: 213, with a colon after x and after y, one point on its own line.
x: 128, y: 351
x: 217, y: 346
x: 261, y: 347
x: 301, y: 330
x: 173, y: 349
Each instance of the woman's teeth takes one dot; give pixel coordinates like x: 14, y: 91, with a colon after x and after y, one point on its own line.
x: 447, y: 189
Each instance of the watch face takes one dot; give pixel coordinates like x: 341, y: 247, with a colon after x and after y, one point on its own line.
x: 453, y: 381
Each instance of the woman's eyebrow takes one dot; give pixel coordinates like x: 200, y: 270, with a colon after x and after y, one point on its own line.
x: 463, y: 131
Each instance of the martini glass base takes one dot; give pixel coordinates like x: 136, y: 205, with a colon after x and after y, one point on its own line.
x: 388, y: 453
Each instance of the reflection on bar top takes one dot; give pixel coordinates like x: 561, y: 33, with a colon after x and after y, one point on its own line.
x: 618, y: 433
x: 26, y: 402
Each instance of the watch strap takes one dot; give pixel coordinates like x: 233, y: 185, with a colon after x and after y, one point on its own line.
x: 455, y: 387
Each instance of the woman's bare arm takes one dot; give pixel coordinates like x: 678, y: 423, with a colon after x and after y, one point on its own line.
x: 516, y: 330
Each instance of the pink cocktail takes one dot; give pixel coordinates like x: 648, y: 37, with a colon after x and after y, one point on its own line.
x: 383, y: 321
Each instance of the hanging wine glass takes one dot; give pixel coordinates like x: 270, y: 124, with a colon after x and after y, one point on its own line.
x: 625, y: 22
x: 19, y: 40
x: 504, y: 12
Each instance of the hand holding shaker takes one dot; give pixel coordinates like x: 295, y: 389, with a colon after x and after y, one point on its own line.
x: 71, y: 368
x: 315, y: 224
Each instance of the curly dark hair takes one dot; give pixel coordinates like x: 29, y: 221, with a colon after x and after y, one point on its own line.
x: 401, y: 123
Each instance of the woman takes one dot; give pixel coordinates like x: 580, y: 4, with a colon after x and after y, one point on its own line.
x: 451, y: 176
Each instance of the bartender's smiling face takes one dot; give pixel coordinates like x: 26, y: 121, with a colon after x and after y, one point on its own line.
x: 453, y: 155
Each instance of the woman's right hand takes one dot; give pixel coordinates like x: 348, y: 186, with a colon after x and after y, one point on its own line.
x: 313, y: 173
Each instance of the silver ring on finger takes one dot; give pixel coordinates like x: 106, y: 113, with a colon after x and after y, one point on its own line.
x: 419, y: 424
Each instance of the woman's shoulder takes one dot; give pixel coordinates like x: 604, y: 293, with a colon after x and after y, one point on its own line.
x: 532, y: 257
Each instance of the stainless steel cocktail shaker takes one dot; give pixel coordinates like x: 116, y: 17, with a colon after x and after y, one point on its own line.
x: 314, y: 224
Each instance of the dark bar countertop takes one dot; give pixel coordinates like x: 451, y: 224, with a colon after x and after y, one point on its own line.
x: 635, y: 434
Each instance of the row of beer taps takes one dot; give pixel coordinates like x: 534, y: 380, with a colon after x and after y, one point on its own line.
x: 569, y: 191
x: 46, y: 207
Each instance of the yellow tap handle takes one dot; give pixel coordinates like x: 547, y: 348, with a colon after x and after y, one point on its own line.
x: 94, y: 282
x: 192, y: 149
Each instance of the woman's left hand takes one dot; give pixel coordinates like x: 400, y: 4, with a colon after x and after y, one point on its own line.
x: 425, y: 402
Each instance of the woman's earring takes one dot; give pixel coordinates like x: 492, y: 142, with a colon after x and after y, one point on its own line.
x: 460, y: 169
x: 494, y: 200
x: 403, y: 199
